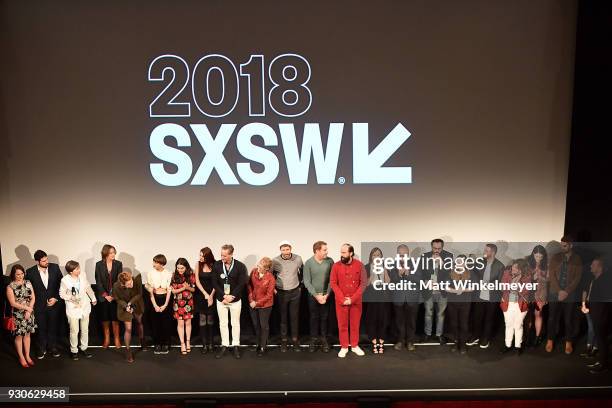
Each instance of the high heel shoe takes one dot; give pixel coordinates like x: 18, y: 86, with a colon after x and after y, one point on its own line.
x: 24, y: 364
x: 381, y: 347
x: 375, y: 347
x: 30, y: 362
x: 183, y: 350
x: 188, y: 348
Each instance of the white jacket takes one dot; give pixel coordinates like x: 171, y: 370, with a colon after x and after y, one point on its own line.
x: 78, y: 305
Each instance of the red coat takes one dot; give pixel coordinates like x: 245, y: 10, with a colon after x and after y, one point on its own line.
x: 523, y: 296
x: 261, y: 290
x: 348, y: 281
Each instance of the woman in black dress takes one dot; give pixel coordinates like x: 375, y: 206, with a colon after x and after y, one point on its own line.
x: 205, y: 298
x: 107, y: 271
x: 377, y: 304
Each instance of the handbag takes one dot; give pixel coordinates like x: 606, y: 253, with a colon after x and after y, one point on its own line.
x: 8, y: 322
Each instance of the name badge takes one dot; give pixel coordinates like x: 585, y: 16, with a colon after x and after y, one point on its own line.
x: 226, y: 288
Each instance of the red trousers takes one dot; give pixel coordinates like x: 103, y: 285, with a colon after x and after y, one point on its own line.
x: 348, y: 315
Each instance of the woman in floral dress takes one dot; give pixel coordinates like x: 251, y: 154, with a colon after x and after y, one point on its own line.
x: 20, y: 295
x: 183, y: 287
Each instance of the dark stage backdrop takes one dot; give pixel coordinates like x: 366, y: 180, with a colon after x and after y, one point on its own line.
x: 164, y: 126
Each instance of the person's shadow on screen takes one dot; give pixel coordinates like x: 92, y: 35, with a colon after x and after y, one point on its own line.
x: 24, y: 258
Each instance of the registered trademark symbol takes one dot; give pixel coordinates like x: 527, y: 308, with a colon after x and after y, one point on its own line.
x: 341, y: 180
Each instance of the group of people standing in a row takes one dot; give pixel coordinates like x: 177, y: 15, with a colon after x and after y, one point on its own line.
x: 215, y: 290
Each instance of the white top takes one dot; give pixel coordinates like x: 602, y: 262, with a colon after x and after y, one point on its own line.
x: 44, y: 276
x: 158, y: 280
x: 79, y: 303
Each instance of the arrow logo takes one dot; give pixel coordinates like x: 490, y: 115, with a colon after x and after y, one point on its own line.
x: 368, y: 166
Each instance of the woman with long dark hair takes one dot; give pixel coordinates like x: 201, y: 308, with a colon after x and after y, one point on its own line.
x: 183, y: 287
x: 107, y: 271
x: 538, y: 269
x: 20, y: 295
x: 205, y: 298
x: 377, y: 306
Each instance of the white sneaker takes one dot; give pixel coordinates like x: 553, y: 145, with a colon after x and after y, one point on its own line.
x: 343, y: 352
x: 357, y: 350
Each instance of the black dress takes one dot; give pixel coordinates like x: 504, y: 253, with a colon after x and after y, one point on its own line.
x: 206, y: 279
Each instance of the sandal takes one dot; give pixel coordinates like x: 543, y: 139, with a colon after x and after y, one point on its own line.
x: 381, y: 347
x: 183, y: 351
x: 188, y: 347
x: 375, y: 347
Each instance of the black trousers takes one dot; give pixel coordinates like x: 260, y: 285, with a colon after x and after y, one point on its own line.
x: 405, y: 321
x: 161, y: 323
x: 599, y: 314
x: 47, y: 320
x: 289, y: 303
x: 376, y: 319
x: 458, y: 314
x: 261, y: 323
x: 568, y: 311
x: 484, y: 316
x: 319, y: 314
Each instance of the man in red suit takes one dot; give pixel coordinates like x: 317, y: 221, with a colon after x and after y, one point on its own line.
x: 347, y: 280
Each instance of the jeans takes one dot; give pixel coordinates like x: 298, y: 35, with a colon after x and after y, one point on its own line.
x: 439, y: 302
x: 590, y: 331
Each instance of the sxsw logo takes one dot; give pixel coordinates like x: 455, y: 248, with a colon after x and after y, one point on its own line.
x: 368, y: 161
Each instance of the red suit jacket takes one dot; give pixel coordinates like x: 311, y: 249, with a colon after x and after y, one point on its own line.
x: 348, y: 281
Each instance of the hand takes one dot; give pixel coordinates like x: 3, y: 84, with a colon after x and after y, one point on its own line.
x: 29, y: 309
x: 459, y: 292
x: 108, y: 298
x: 94, y: 302
x: 584, y: 309
x: 319, y: 299
x: 210, y: 301
x: 162, y: 308
x: 157, y: 308
x: 185, y: 285
x: 347, y: 301
x: 562, y: 295
x: 206, y: 297
x: 51, y: 302
x: 27, y: 315
x: 231, y: 298
x: 253, y: 304
x: 325, y: 299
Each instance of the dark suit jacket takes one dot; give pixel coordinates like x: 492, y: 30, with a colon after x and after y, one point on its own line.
x: 237, y: 280
x: 104, y: 284
x: 399, y: 297
x: 497, y: 271
x: 426, y: 272
x: 41, y: 293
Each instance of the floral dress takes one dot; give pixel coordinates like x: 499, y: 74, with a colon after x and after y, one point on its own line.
x: 23, y: 295
x: 183, y: 301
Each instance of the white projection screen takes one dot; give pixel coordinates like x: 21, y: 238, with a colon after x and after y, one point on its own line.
x: 164, y: 127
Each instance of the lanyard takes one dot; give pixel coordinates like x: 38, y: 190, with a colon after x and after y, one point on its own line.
x: 227, y: 272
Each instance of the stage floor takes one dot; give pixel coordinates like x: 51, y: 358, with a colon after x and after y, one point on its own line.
x: 431, y: 372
